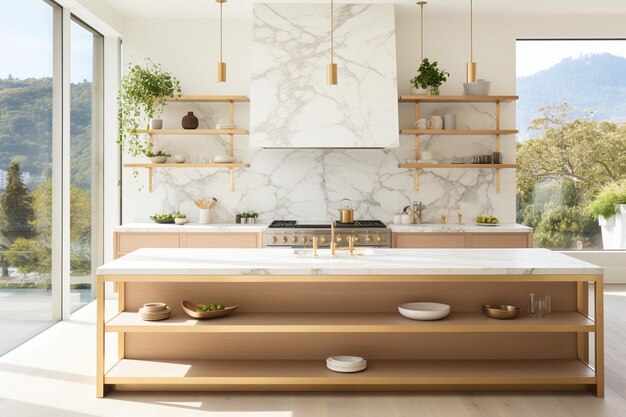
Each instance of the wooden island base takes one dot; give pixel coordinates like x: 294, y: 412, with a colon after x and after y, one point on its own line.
x: 287, y: 326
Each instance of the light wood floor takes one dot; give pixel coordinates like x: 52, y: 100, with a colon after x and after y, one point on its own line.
x: 52, y: 375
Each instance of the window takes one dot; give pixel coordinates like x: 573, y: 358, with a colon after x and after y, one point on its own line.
x: 40, y: 279
x: 85, y: 145
x: 572, y: 126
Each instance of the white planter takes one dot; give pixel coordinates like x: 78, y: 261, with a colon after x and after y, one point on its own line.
x: 614, y: 229
x: 156, y: 124
x: 205, y: 216
x: 419, y: 91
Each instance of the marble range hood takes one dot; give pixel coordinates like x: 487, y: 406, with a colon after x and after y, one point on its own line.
x: 291, y: 104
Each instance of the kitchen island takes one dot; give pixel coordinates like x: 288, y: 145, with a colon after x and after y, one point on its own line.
x: 297, y: 309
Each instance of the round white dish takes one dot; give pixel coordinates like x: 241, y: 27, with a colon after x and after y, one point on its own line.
x: 424, y: 311
x: 486, y: 224
x: 154, y: 307
x: 346, y: 360
x: 338, y: 368
x: 223, y: 159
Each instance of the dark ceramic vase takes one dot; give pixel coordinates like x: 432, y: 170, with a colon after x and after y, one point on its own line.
x: 190, y: 121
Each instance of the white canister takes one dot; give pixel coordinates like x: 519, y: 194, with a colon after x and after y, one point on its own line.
x: 156, y: 124
x: 449, y: 121
x: 205, y: 216
x: 397, y: 219
x: 407, y: 219
x: 435, y: 123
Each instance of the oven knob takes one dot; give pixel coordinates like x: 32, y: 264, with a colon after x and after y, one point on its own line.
x: 303, y: 239
x: 323, y: 239
x: 274, y: 239
x: 284, y: 239
x: 339, y: 239
x: 369, y: 239
x: 294, y: 239
x: 356, y: 239
x: 379, y: 238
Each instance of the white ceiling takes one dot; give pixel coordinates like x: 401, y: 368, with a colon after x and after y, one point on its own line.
x: 243, y: 8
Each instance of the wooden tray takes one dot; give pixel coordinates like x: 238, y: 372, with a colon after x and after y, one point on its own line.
x: 190, y: 309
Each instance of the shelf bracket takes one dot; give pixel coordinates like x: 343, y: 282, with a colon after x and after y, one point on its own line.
x: 497, y: 180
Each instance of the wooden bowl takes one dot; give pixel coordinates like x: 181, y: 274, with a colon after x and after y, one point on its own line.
x: 501, y: 312
x: 190, y: 309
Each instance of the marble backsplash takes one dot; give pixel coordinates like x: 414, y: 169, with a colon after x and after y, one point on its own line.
x: 310, y: 183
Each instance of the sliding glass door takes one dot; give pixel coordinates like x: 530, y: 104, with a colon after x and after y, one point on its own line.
x: 51, y: 127
x: 85, y: 166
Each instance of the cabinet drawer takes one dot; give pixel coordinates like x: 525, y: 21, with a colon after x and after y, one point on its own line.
x: 222, y: 240
x: 499, y: 240
x: 128, y: 242
x: 429, y: 240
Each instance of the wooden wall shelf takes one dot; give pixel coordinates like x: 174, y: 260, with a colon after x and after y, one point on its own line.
x: 448, y: 166
x: 208, y: 132
x: 457, y: 99
x: 151, y: 166
x: 417, y: 100
x: 457, y: 132
x: 209, y: 99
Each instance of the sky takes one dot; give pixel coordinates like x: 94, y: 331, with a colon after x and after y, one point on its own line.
x: 26, y: 42
x: 535, y: 56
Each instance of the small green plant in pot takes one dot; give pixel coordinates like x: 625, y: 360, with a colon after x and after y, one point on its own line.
x: 609, y: 207
x: 141, y: 99
x: 430, y: 77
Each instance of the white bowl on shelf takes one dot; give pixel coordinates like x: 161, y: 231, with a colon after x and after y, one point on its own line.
x: 424, y: 310
x: 223, y: 159
x: 346, y: 363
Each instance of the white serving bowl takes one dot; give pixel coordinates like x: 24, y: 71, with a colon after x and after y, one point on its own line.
x: 424, y: 311
x: 479, y: 88
x: 181, y: 220
x: 223, y: 159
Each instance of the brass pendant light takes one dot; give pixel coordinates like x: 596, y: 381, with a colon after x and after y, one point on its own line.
x: 332, y: 67
x: 221, y: 66
x: 471, y: 65
x: 421, y: 4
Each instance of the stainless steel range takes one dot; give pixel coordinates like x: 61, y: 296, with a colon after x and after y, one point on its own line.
x: 294, y: 234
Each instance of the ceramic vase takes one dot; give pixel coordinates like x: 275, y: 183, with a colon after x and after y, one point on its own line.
x: 190, y: 121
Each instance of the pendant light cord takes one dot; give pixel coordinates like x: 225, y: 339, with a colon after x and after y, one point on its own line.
x: 332, y: 29
x: 221, y: 30
x: 471, y: 32
x: 421, y: 32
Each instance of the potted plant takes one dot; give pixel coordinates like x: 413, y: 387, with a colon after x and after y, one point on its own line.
x: 141, y: 101
x: 180, y: 218
x: 609, y: 207
x: 430, y: 77
x: 158, y: 157
x: 244, y: 217
x: 252, y: 217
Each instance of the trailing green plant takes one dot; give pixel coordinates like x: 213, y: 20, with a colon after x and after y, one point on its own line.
x: 141, y: 98
x: 604, y: 204
x: 429, y: 75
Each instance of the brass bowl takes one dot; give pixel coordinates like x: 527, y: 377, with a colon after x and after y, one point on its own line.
x: 501, y: 312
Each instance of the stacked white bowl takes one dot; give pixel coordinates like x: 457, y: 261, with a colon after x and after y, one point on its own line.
x: 346, y: 363
x: 154, y: 311
x: 224, y: 124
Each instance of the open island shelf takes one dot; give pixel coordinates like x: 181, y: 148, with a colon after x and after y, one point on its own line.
x: 296, y: 311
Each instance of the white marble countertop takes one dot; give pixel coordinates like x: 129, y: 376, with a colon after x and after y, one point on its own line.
x: 190, y: 228
x: 397, y: 228
x: 459, y: 228
x: 375, y: 262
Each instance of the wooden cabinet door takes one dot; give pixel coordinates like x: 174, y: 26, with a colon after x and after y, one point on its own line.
x: 222, y: 240
x: 500, y: 240
x: 128, y: 242
x: 428, y: 240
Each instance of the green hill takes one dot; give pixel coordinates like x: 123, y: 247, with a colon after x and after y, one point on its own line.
x: 26, y: 126
x: 594, y: 82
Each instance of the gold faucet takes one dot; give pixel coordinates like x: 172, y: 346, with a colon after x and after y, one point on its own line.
x: 314, y: 245
x: 334, y: 247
